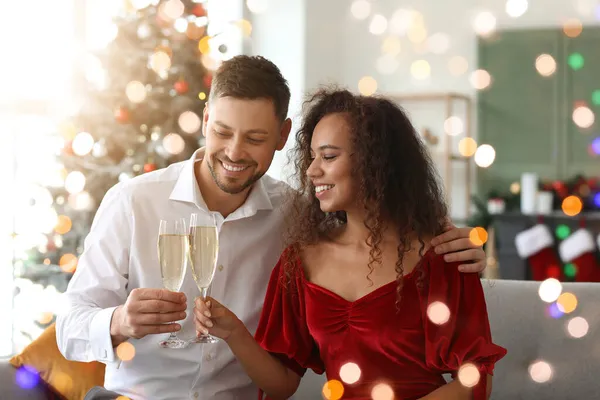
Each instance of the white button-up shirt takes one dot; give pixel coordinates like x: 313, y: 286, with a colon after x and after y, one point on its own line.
x: 121, y: 254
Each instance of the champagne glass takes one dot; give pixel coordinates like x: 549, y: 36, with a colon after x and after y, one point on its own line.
x: 173, y: 245
x: 204, y: 247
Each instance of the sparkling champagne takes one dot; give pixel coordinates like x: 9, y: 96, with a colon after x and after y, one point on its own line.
x: 204, y: 247
x: 172, y: 253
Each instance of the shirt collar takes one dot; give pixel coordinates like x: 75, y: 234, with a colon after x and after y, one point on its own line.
x: 186, y: 189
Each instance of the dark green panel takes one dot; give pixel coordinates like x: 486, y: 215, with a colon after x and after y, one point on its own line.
x: 580, y: 85
x: 517, y: 114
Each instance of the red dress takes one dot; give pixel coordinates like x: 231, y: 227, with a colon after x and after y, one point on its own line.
x: 312, y: 327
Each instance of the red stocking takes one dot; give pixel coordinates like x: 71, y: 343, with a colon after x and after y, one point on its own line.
x: 579, y: 249
x: 536, y: 245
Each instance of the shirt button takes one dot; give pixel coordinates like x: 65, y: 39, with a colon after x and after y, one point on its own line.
x: 220, y: 268
x: 196, y: 395
x: 208, y: 357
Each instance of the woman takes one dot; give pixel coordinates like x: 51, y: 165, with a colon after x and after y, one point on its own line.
x: 360, y: 291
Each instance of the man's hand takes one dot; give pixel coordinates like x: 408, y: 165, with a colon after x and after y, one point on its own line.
x: 213, y: 318
x: 147, y: 312
x: 457, y: 246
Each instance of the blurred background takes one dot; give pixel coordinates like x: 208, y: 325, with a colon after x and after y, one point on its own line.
x: 92, y: 92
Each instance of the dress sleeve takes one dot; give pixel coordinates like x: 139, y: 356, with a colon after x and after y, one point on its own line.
x: 465, y: 337
x: 282, y: 328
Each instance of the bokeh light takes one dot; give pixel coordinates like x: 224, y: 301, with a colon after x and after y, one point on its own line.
x: 136, y: 91
x: 553, y: 271
x: 204, y: 45
x: 570, y: 270
x: 516, y: 8
x: 333, y: 390
x: 257, y: 6
x: 438, y: 313
x: 597, y: 199
x: 550, y: 290
x: 485, y: 156
x: 467, y: 147
x: 75, y: 182
x: 576, y: 61
x: 545, y: 65
x: 82, y: 144
x: 378, y: 24
x: 417, y: 34
x: 360, y: 9
x: 480, y: 79
x: 484, y: 24
x: 173, y: 143
x: 64, y: 225
x: 68, y: 263
x: 583, y: 117
x: 367, y: 85
x: 125, y: 351
x: 382, y: 391
x: 540, y: 371
x: 578, y: 327
x: 26, y: 377
x: 572, y: 27
x: 172, y: 9
x: 572, y: 205
x: 478, y: 236
x: 596, y: 97
x: 350, y: 373
x: 567, y: 302
x: 391, y: 45
x: 554, y: 311
x: 438, y: 43
x: 515, y: 188
x: 458, y: 65
x: 420, y: 69
x: 562, y: 231
x: 454, y: 126
x: 160, y: 62
x: 189, y: 122
x: 468, y: 375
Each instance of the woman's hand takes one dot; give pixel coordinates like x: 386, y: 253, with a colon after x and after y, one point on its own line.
x: 211, y: 317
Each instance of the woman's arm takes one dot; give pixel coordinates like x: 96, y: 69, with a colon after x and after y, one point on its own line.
x: 456, y: 391
x: 266, y: 371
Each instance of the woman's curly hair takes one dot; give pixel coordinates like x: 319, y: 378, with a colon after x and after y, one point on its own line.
x: 398, y: 183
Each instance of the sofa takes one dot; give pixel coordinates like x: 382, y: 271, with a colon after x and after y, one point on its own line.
x: 533, y: 332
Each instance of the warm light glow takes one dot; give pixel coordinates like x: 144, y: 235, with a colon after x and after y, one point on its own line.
x: 382, y: 391
x: 64, y: 225
x: 458, y: 65
x: 478, y: 236
x: 453, y: 126
x: 484, y: 24
x: 125, y: 351
x: 485, y: 156
x: 480, y: 79
x: 173, y: 143
x: 367, y: 85
x: 420, y: 69
x: 467, y: 147
x: 350, y: 373
x: 578, y: 327
x: 378, y: 24
x: 515, y: 188
x: 257, y: 6
x: 567, y: 302
x: 545, y: 65
x: 438, y: 313
x: 68, y: 263
x: 333, y: 390
x: 583, y: 117
x: 245, y: 26
x: 189, y: 122
x: 202, y: 96
x: 572, y: 205
x: 549, y: 290
x: 572, y: 28
x: 516, y: 8
x: 173, y: 9
x: 360, y: 9
x: 75, y: 182
x: 540, y: 372
x: 391, y: 45
x: 82, y: 144
x: 136, y: 91
x: 438, y: 43
x: 468, y: 375
x: 160, y: 62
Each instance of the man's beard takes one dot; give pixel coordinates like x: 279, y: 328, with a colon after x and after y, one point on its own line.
x: 229, y: 188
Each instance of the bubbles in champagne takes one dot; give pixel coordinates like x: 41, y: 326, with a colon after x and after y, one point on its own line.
x: 204, y: 247
x: 172, y: 253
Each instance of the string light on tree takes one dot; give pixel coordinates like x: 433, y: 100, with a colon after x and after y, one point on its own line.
x: 82, y: 144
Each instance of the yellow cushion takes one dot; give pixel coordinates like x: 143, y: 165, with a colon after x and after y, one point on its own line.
x: 70, y: 379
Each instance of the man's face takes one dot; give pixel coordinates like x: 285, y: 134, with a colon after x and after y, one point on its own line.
x: 241, y: 139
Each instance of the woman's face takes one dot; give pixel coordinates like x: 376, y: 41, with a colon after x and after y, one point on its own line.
x: 331, y: 170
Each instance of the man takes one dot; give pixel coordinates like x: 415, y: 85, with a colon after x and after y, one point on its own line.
x: 115, y: 294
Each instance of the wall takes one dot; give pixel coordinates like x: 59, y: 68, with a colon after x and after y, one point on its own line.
x: 337, y: 47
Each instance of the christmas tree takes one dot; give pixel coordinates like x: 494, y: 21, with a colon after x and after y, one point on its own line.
x: 141, y: 105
